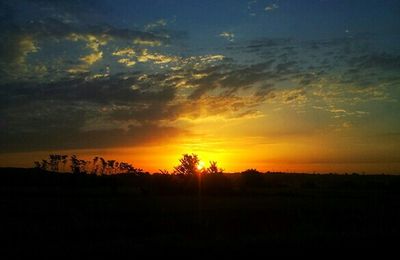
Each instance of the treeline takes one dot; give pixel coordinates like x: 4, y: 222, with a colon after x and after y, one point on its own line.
x: 189, y: 164
x: 98, y: 165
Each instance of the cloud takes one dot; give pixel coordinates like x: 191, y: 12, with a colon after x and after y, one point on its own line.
x: 100, y: 108
x: 93, y: 42
x: 224, y: 107
x: 156, y: 25
x: 151, y: 43
x: 105, y: 113
x: 266, y: 44
x: 271, y: 7
x: 59, y: 139
x: 129, y: 52
x: 127, y: 62
x: 177, y: 62
x: 16, y: 54
x: 255, y: 7
x: 92, y: 58
x: 14, y: 50
x: 250, y: 7
x: 24, y: 39
x: 228, y: 36
x: 64, y: 112
x: 372, y: 61
x: 157, y: 58
x: 158, y: 87
x: 94, y: 35
x: 296, y: 97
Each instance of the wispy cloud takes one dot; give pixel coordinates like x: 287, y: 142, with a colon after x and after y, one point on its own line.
x: 14, y: 51
x: 152, y: 43
x: 155, y: 25
x: 127, y: 62
x: 271, y: 7
x: 250, y: 7
x: 228, y: 36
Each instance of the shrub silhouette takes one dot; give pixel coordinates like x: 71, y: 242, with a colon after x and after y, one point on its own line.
x: 214, y: 169
x: 251, y: 171
x: 252, y: 178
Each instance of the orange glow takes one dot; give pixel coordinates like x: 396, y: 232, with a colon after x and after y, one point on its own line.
x: 238, y: 145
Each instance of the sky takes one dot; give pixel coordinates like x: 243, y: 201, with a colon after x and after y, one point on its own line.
x: 285, y: 85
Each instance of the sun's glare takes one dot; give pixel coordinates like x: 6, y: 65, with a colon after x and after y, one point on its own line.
x: 201, y: 165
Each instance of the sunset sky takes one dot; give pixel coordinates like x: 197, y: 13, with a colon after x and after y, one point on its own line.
x: 285, y: 85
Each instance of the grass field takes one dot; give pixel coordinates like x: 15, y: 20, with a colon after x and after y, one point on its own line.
x: 271, y: 214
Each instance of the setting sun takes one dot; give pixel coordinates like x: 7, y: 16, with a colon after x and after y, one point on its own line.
x: 201, y: 165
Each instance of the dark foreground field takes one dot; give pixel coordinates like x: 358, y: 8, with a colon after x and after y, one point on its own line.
x: 247, y: 214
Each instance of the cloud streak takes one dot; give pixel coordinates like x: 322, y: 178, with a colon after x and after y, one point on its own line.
x: 228, y: 36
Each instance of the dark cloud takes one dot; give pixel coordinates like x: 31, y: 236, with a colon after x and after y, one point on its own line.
x: 11, y: 50
x: 59, y: 112
x: 55, y: 28
x: 376, y: 61
x: 267, y: 43
x: 7, y: 13
x: 231, y: 78
x: 61, y: 115
x: 114, y: 90
x: 56, y: 139
x: 86, y: 11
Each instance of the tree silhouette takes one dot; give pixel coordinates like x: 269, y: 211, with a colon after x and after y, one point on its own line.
x: 37, y: 165
x: 75, y: 164
x: 45, y: 165
x: 64, y: 160
x: 95, y: 167
x: 103, y: 165
x: 163, y: 171
x: 214, y: 169
x: 55, y: 160
x: 188, y: 164
x: 251, y: 171
x: 110, y: 165
x: 83, y: 166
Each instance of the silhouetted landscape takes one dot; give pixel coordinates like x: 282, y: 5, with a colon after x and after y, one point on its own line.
x: 45, y: 212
